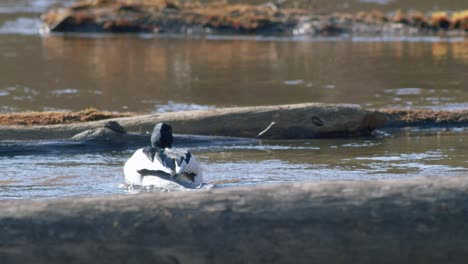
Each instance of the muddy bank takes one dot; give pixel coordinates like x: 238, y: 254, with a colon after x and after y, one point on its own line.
x: 388, y: 221
x: 313, y: 120
x: 159, y: 16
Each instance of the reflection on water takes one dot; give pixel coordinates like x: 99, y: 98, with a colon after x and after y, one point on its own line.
x: 414, y: 154
x: 160, y: 73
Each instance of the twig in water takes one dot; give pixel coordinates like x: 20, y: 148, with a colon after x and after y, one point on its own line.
x: 266, y: 129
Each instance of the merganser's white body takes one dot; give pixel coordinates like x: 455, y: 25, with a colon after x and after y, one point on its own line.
x: 177, y: 166
x: 162, y: 166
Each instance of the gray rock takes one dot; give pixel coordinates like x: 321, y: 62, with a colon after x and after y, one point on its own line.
x: 390, y: 221
x: 311, y: 120
x: 112, y: 133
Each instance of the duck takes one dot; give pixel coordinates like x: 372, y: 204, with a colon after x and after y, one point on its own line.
x: 160, y: 165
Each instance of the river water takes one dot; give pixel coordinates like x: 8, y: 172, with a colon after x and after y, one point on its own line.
x: 148, y: 73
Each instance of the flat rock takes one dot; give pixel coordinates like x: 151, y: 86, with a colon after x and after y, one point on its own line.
x: 310, y: 120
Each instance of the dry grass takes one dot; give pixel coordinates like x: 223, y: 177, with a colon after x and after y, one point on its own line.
x: 50, y: 118
x: 426, y: 115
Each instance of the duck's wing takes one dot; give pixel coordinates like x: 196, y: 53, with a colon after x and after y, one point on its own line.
x: 184, y: 162
x: 186, y: 166
x: 160, y: 161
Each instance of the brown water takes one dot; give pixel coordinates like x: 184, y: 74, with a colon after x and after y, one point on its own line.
x: 149, y: 73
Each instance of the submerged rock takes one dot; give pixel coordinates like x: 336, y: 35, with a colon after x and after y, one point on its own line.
x: 112, y: 133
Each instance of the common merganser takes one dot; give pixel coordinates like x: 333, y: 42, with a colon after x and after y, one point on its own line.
x: 159, y: 165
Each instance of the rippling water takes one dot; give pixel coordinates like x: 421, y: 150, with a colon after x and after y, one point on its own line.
x: 241, y: 164
x: 149, y: 73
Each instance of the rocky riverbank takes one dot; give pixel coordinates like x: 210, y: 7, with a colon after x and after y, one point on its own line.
x: 91, y: 130
x: 165, y: 16
x: 312, y: 120
x: 395, y: 118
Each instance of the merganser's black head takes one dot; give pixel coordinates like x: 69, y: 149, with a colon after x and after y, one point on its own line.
x: 162, y: 136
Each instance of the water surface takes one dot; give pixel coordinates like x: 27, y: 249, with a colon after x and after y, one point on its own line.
x: 249, y: 163
x: 169, y: 74
x: 148, y: 73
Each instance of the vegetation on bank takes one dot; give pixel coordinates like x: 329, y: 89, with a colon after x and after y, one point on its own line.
x: 425, y: 117
x: 170, y: 16
x: 52, y: 118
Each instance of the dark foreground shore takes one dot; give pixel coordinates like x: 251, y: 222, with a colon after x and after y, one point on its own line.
x: 387, y: 221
